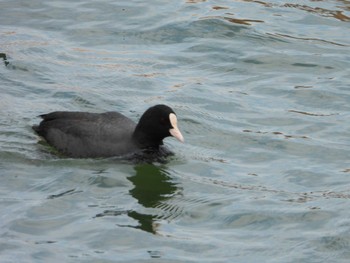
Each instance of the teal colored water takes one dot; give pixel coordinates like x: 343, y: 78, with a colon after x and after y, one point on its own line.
x: 262, y: 94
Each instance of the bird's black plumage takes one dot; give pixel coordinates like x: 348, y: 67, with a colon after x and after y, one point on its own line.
x: 83, y: 134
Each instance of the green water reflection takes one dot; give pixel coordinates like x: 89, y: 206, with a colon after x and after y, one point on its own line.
x: 152, y: 187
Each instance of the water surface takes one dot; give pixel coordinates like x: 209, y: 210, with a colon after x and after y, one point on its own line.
x: 261, y: 90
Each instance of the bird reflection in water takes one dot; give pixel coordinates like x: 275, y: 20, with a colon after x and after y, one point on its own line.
x: 153, y: 187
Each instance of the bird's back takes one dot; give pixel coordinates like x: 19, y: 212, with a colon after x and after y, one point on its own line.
x: 82, y: 134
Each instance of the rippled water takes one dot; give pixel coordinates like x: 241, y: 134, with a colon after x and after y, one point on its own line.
x: 262, y: 94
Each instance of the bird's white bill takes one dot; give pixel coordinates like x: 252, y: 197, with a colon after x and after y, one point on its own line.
x: 175, y: 132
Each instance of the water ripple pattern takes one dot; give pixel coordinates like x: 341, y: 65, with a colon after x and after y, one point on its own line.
x: 261, y: 90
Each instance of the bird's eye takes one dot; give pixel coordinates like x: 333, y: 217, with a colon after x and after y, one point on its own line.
x: 162, y: 121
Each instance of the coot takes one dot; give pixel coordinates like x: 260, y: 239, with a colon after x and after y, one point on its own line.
x: 86, y: 135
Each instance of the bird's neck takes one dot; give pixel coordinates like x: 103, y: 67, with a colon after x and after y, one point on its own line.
x: 144, y: 140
